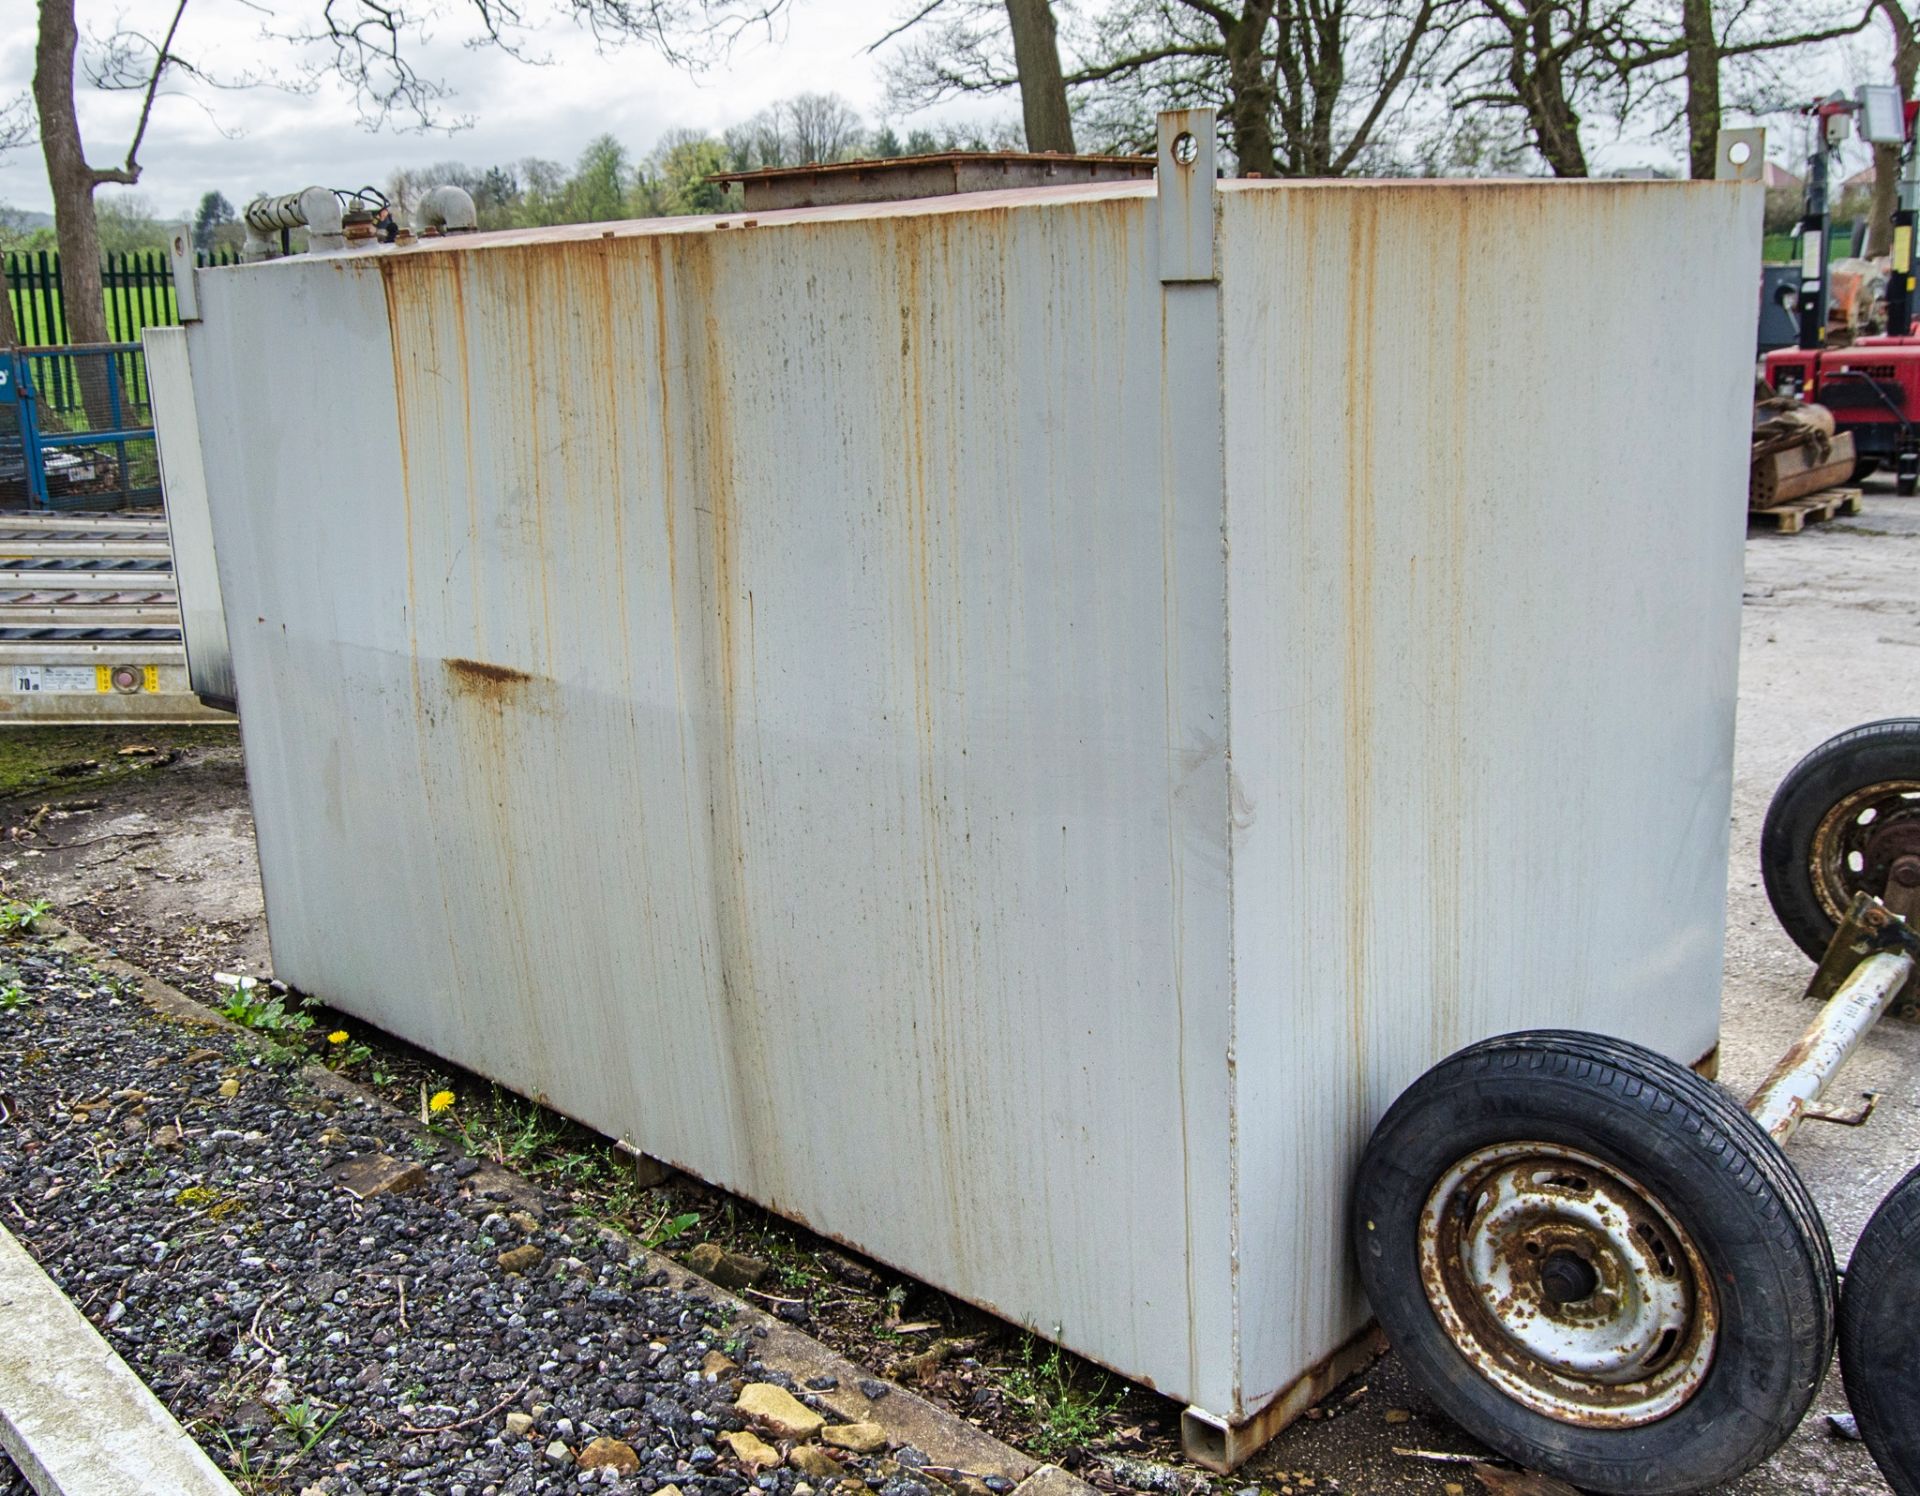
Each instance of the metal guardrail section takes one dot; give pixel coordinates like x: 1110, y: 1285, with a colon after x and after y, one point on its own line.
x: 76, y: 428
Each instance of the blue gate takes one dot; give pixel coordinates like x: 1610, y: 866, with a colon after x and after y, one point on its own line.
x: 76, y: 429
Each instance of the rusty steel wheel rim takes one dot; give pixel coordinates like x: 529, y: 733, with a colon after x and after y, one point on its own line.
x: 1567, y: 1286
x: 1859, y: 839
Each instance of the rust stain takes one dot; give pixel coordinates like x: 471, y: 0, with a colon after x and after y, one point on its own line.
x: 456, y: 266
x: 481, y: 678
x: 664, y: 372
x: 410, y: 288
x: 539, y: 393
x: 396, y: 342
x: 916, y: 244
x: 743, y: 1041
x: 1363, y: 274
x: 1446, y: 535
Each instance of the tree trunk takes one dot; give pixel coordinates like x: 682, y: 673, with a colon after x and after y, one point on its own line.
x: 1043, y: 91
x: 1250, y: 100
x: 74, y: 224
x: 1703, y: 88
x: 1538, y: 82
x: 1886, y: 188
x: 1886, y: 158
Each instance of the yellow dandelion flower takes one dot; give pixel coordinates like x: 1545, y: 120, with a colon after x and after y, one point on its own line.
x: 440, y: 1101
x: 338, y: 1036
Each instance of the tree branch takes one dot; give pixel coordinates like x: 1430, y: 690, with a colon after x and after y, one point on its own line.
x: 907, y: 25
x: 130, y: 173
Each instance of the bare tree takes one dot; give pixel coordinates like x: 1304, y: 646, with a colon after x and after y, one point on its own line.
x: 820, y: 127
x: 795, y: 132
x: 1043, y: 89
x: 1303, y: 86
x: 1688, y: 45
x: 73, y: 178
x: 1546, y: 61
x: 1886, y: 158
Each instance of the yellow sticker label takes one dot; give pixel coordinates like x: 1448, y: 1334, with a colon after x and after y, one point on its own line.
x: 102, y: 677
x: 1903, y: 248
x: 150, y: 678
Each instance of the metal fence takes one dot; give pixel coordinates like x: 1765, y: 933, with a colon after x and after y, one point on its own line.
x: 76, y: 429
x: 137, y: 288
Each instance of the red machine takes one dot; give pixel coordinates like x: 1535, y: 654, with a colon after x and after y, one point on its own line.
x: 1873, y: 386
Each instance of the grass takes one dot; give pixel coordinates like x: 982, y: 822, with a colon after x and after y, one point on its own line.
x: 559, y: 1155
x: 1069, y: 1403
x: 33, y: 759
x: 35, y: 308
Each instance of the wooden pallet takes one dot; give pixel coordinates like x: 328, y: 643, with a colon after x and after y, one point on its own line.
x: 1793, y: 516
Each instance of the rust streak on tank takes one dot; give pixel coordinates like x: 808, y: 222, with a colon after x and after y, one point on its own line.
x: 1359, y: 664
x: 491, y: 683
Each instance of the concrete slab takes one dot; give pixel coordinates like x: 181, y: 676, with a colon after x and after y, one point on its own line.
x: 73, y: 1416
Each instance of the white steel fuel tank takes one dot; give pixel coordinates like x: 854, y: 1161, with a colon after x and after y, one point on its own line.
x: 1006, y: 728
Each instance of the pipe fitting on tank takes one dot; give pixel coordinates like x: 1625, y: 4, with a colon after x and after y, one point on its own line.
x: 444, y: 210
x: 315, y: 209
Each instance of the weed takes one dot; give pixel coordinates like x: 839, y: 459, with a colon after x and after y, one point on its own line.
x: 661, y: 1230
x: 249, y: 1476
x: 263, y: 1012
x: 1066, y: 1414
x: 273, y: 1052
x: 506, y: 1129
x: 21, y: 918
x: 342, y: 1053
x: 302, y: 1420
x: 14, y: 997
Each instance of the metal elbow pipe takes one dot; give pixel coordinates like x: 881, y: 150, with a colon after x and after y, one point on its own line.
x: 314, y: 208
x: 444, y: 210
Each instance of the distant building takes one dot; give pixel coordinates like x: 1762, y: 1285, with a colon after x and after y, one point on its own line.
x: 1778, y: 178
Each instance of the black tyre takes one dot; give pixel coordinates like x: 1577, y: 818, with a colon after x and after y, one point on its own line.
x: 1836, y: 825
x: 1596, y: 1263
x: 1863, y: 469
x: 1880, y: 1336
x: 1904, y: 487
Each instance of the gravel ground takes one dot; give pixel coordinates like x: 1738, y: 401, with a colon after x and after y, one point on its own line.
x: 177, y: 1187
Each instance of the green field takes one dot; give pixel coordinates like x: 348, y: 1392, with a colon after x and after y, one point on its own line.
x: 138, y: 293
x: 127, y: 312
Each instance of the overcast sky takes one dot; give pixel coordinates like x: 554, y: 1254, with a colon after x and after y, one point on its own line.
x: 275, y: 141
x: 280, y: 142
